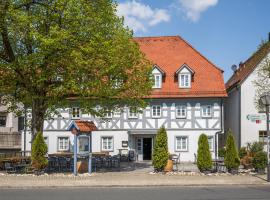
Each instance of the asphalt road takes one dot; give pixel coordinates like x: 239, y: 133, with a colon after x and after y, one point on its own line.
x: 149, y: 193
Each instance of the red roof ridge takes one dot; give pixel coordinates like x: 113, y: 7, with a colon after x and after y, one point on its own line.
x: 181, y: 38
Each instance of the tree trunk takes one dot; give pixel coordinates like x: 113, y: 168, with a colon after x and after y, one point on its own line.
x: 39, y: 108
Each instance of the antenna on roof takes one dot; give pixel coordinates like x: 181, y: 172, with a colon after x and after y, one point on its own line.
x: 234, y: 68
x: 240, y: 64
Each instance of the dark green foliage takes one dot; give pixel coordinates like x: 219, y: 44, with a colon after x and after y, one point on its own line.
x: 39, y: 150
x: 204, y: 160
x: 160, y: 154
x: 255, y: 147
x: 260, y: 160
x: 231, y: 159
x: 242, y: 152
x: 221, y: 152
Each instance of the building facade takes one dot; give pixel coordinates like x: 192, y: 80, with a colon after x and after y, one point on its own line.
x: 247, y: 123
x: 187, y: 99
x: 10, y: 135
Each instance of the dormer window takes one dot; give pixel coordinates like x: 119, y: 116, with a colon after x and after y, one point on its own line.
x: 184, y: 80
x: 184, y: 74
x: 158, y: 73
x: 157, y: 81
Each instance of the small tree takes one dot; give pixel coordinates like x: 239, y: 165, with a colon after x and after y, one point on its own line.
x: 204, y: 160
x: 259, y: 161
x: 232, y: 160
x: 161, y: 154
x: 39, y: 150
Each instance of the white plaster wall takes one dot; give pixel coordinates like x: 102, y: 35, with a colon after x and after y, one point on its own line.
x: 193, y: 137
x: 249, y: 130
x: 118, y: 137
x: 52, y: 137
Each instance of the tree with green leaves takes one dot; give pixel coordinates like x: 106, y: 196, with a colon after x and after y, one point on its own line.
x: 39, y: 150
x: 161, y: 154
x: 54, y: 53
x: 231, y: 159
x: 204, y: 158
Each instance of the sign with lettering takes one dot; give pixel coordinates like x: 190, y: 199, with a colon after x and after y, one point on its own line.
x: 256, y: 118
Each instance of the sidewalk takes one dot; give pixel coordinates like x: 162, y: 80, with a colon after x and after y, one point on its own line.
x: 127, y: 179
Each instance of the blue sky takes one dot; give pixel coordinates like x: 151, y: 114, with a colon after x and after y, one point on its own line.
x: 225, y: 31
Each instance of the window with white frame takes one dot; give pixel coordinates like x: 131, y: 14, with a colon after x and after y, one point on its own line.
x: 181, y: 111
x: 157, y: 80
x: 207, y: 111
x: 75, y: 113
x: 181, y: 143
x: 63, y: 143
x: 109, y: 114
x: 133, y: 112
x: 184, y: 80
x: 107, y: 143
x: 156, y: 111
x: 211, y: 143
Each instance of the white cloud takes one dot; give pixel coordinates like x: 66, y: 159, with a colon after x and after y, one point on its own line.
x: 139, y: 16
x: 194, y: 8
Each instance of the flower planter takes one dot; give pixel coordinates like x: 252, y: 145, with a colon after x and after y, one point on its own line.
x: 233, y: 171
x: 169, y: 166
x: 260, y: 171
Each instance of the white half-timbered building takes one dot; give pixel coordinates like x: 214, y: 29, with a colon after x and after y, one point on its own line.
x: 187, y: 99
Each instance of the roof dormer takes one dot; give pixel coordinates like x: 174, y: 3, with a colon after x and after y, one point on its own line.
x: 158, y: 75
x: 184, y: 74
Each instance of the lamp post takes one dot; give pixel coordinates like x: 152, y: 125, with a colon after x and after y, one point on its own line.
x: 265, y: 100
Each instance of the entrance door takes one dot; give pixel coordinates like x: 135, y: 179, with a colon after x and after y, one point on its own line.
x: 147, y: 148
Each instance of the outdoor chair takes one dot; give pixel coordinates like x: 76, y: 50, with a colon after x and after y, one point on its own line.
x: 115, y: 161
x: 107, y: 160
x: 176, y: 160
x: 62, y: 164
x: 9, y: 168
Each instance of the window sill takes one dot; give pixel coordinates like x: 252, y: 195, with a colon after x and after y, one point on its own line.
x: 184, y: 151
x: 156, y: 117
x: 132, y: 117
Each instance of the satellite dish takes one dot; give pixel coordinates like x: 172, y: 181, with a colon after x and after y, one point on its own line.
x: 234, y: 68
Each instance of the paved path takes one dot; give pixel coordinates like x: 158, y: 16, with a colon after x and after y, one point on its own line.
x: 127, y: 179
x: 150, y: 193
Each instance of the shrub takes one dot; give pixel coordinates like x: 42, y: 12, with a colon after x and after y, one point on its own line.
x: 242, y: 152
x: 204, y: 160
x: 221, y: 152
x: 255, y: 147
x: 231, y: 159
x: 260, y: 160
x: 160, y: 154
x: 39, y: 150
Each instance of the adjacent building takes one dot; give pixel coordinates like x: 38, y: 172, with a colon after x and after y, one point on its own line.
x: 187, y: 99
x: 10, y: 135
x: 241, y: 115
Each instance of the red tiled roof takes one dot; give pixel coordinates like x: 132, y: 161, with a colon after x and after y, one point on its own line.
x: 248, y: 66
x: 85, y: 126
x: 170, y: 53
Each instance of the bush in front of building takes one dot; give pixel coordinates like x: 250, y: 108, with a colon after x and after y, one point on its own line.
x: 160, y: 154
x: 231, y: 159
x: 259, y: 161
x: 204, y: 159
x: 221, y: 152
x: 242, y: 152
x: 39, y: 150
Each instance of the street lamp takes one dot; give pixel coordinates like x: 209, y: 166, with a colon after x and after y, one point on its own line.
x: 265, y: 100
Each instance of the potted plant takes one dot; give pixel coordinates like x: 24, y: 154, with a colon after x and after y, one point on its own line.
x: 259, y: 162
x: 161, y: 154
x: 39, y: 150
x: 204, y: 160
x: 231, y: 159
